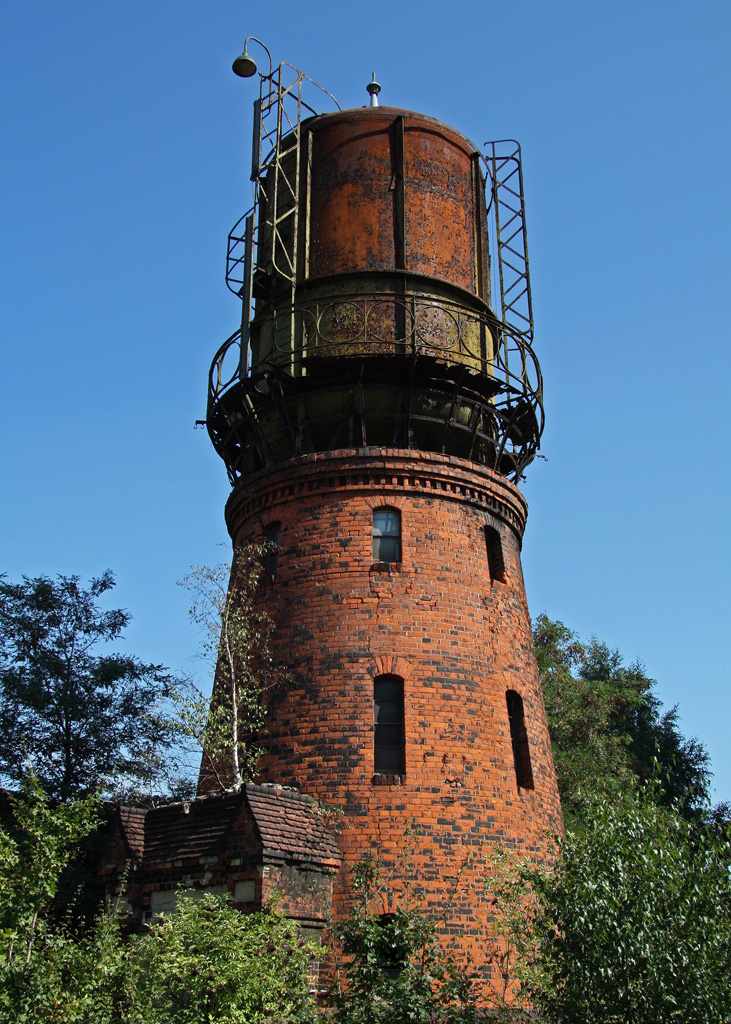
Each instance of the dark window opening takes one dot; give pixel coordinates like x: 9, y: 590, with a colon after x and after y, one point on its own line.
x: 495, y: 561
x: 386, y: 536
x: 392, y: 947
x: 388, y: 726
x: 272, y: 550
x: 519, y: 739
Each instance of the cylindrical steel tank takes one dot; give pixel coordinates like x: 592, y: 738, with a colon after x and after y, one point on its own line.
x: 390, y: 254
x: 394, y: 190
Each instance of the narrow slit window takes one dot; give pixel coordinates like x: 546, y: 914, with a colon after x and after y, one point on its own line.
x: 272, y: 550
x: 388, y: 726
x: 519, y: 740
x: 386, y: 535
x: 495, y: 561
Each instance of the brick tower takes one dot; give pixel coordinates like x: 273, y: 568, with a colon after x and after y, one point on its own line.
x: 374, y: 415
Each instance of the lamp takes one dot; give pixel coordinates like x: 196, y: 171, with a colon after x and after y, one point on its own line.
x: 245, y: 66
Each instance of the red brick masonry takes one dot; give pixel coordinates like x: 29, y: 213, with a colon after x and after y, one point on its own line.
x: 458, y: 639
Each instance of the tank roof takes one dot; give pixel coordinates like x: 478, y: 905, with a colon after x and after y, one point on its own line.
x: 388, y: 113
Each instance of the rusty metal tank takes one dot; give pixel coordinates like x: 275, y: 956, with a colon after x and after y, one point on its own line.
x: 386, y: 252
x: 394, y: 190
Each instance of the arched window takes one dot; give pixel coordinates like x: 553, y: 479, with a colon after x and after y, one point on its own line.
x: 495, y: 562
x: 272, y: 550
x: 519, y: 739
x: 388, y: 725
x: 386, y: 535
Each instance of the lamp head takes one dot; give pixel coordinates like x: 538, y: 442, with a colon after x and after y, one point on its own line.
x: 244, y: 66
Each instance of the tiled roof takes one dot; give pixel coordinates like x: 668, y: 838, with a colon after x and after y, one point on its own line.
x: 289, y: 825
x: 286, y: 821
x: 196, y: 828
x: 132, y: 824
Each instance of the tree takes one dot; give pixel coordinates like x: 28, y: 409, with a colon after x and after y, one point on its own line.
x: 47, y: 971
x: 634, y: 925
x: 33, y: 856
x: 80, y: 720
x: 607, y: 729
x: 237, y: 637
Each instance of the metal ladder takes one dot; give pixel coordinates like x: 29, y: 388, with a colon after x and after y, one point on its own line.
x: 265, y: 254
x: 506, y: 217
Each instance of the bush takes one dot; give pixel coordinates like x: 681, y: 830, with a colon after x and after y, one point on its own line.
x: 210, y: 963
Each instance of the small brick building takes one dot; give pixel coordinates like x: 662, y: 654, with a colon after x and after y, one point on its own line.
x: 247, y: 845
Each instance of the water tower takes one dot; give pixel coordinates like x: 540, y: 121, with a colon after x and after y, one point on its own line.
x: 375, y: 415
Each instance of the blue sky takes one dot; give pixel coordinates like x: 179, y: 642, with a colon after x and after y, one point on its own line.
x: 123, y: 165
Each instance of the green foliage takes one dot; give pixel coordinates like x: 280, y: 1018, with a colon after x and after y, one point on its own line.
x: 209, y: 962
x: 237, y: 643
x: 33, y: 857
x: 606, y: 726
x: 392, y: 968
x: 634, y: 925
x: 77, y: 718
x: 70, y: 980
x: 46, y: 972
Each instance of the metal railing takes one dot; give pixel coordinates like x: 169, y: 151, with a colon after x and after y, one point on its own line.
x: 385, y: 324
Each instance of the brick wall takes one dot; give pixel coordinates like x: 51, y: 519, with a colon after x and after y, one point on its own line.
x: 458, y: 639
